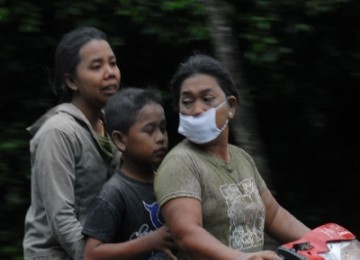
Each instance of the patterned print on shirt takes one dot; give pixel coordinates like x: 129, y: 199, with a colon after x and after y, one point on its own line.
x: 246, y: 214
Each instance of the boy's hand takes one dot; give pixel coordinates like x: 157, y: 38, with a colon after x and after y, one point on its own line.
x: 162, y: 241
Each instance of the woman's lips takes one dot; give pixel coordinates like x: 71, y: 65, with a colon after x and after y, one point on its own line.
x: 109, y: 90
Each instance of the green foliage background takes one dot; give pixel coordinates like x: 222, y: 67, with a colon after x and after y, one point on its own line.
x: 301, y: 59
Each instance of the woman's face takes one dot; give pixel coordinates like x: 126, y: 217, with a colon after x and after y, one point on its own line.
x: 201, y: 92
x: 97, y: 75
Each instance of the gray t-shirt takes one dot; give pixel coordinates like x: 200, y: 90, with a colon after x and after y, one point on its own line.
x: 125, y: 209
x: 229, y: 192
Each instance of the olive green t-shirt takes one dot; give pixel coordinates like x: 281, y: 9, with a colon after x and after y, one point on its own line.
x: 229, y: 192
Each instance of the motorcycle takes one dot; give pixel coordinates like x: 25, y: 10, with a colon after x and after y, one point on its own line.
x: 326, y: 242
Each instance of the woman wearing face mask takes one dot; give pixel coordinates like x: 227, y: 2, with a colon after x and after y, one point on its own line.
x: 211, y: 195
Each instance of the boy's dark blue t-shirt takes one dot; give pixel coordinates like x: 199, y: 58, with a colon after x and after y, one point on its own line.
x: 124, y: 210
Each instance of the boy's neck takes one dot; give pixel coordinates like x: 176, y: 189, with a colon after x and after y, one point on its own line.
x: 138, y: 172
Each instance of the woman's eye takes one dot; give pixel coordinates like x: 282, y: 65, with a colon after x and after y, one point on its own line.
x: 208, y: 99
x: 186, y: 102
x: 95, y: 67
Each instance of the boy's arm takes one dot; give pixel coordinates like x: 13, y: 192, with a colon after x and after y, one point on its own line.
x: 159, y: 240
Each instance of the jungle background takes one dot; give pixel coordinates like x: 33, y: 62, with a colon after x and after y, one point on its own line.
x: 296, y: 64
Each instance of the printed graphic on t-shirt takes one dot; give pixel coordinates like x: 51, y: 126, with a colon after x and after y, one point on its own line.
x: 154, y: 215
x: 143, y: 231
x: 246, y: 214
x: 154, y: 212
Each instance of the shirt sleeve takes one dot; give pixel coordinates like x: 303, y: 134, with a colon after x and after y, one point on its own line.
x: 103, y: 222
x: 54, y: 172
x: 177, y: 177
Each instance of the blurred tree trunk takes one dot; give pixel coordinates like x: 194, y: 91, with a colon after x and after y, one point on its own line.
x: 243, y: 127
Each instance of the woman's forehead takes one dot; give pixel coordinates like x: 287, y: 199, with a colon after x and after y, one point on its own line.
x: 200, y: 83
x: 95, y: 49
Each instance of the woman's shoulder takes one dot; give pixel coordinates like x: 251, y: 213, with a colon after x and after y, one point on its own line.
x: 240, y: 154
x: 238, y: 150
x: 182, y: 155
x: 63, y: 118
x: 182, y: 149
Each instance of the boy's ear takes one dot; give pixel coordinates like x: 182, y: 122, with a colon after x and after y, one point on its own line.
x: 119, y: 140
x: 69, y: 80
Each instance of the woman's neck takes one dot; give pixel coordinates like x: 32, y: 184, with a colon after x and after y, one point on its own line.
x: 218, y: 147
x: 92, y: 114
x: 220, y: 151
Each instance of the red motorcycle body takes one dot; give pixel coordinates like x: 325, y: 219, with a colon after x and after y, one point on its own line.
x: 326, y: 242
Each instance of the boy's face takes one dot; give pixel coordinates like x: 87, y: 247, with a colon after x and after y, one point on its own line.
x: 147, y: 140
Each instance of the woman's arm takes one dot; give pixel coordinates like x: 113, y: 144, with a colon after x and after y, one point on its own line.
x: 279, y: 223
x: 184, y: 218
x: 159, y: 240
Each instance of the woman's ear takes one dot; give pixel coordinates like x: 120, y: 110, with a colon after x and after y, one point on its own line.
x: 69, y: 80
x: 232, y: 106
x: 119, y: 140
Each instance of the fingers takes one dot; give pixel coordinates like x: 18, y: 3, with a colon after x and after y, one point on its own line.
x: 161, y: 239
x: 167, y: 237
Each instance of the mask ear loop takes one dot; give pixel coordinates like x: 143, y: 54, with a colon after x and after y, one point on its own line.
x: 224, y: 126
x: 221, y: 104
x: 227, y: 119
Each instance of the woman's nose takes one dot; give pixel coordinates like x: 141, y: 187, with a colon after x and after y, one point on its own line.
x: 110, y: 70
x: 198, y: 108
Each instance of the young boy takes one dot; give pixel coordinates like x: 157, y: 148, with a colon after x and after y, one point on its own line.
x: 125, y: 221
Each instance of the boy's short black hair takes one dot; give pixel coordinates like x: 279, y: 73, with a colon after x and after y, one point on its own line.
x: 122, y: 109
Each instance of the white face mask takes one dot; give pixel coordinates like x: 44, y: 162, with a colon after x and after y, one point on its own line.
x: 201, y: 129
